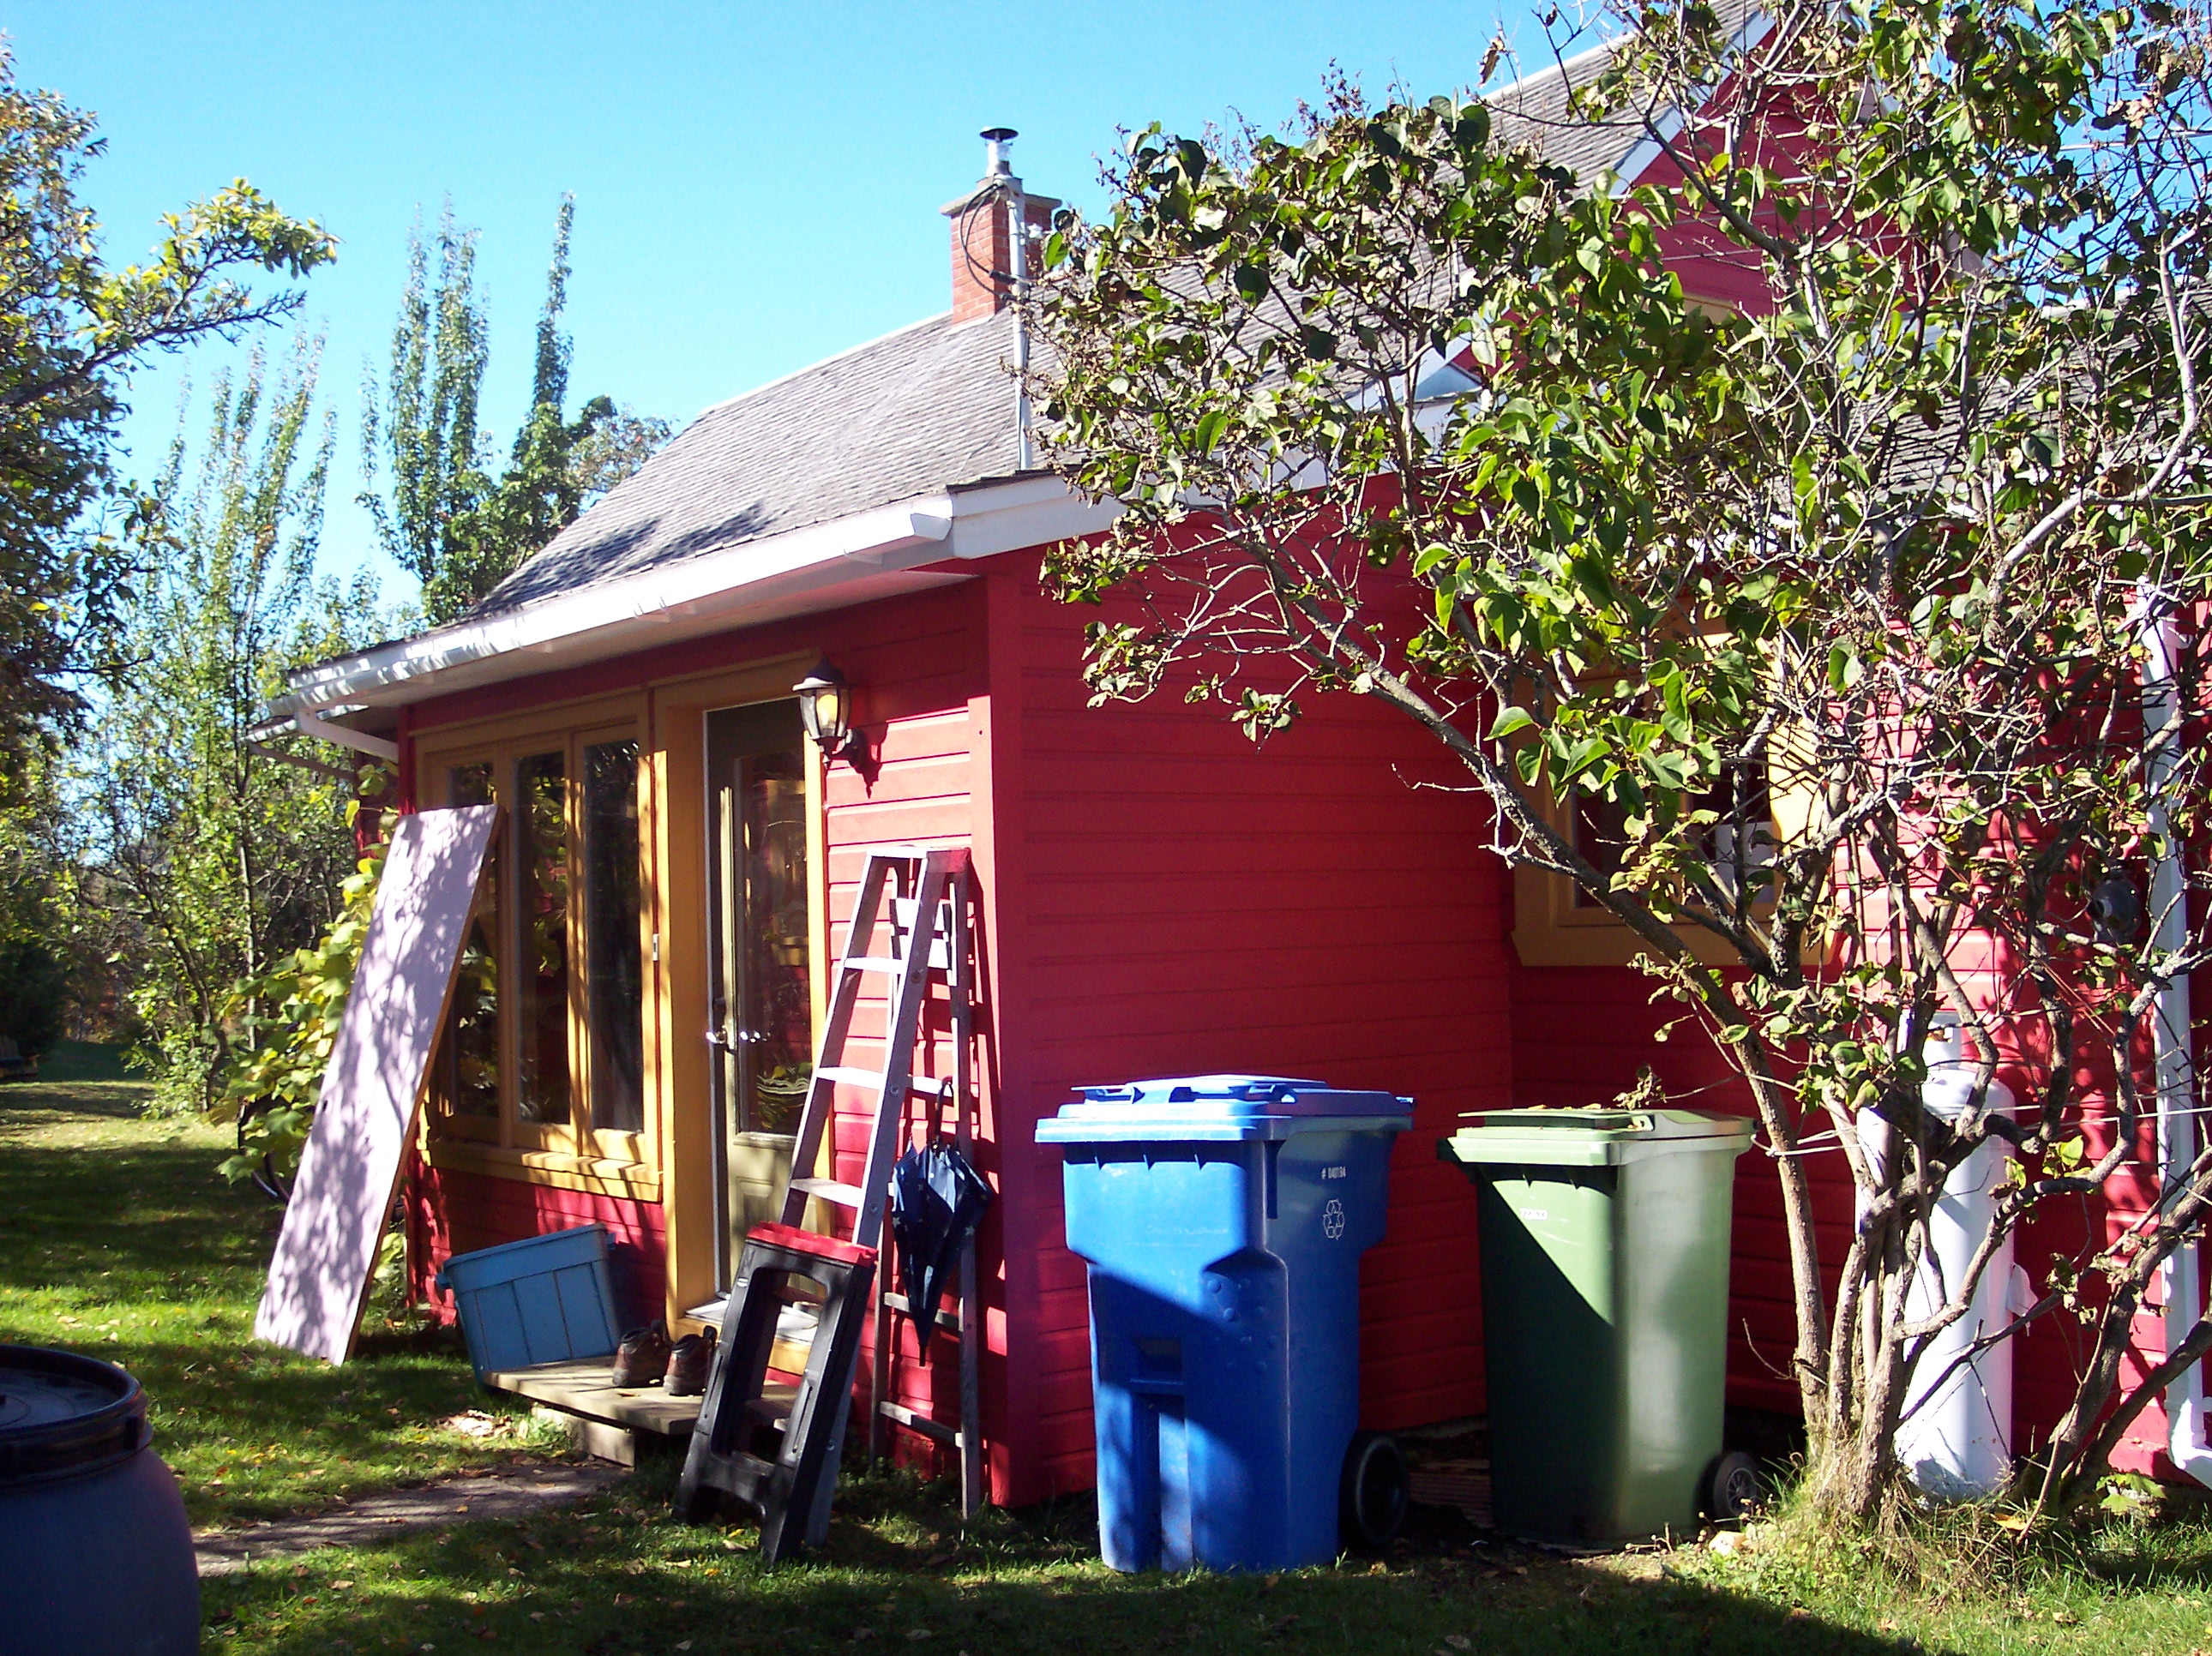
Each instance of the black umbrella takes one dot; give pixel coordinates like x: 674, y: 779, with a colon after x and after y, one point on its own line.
x: 938, y: 1199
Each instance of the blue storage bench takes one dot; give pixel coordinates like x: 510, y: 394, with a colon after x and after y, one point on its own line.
x: 545, y: 1299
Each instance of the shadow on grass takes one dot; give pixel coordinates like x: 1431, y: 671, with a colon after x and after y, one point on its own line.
x: 120, y: 1239
x: 119, y: 1220
x: 901, y: 1574
x: 33, y: 1105
x: 87, y: 1060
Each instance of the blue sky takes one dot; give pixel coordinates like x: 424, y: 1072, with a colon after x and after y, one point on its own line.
x: 757, y: 186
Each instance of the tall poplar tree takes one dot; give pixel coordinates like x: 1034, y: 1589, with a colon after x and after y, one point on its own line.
x: 445, y: 521
x: 425, y: 425
x: 218, y: 856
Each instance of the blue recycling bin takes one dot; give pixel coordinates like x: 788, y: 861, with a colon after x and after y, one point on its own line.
x: 1224, y: 1218
x: 545, y: 1299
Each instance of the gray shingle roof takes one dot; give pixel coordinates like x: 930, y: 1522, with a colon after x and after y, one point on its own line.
x: 927, y: 408
x: 1534, y: 111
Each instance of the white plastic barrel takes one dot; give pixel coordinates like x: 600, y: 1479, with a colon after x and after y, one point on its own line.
x: 1956, y: 1440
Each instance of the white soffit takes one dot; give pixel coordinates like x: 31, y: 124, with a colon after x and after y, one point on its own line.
x: 871, y: 554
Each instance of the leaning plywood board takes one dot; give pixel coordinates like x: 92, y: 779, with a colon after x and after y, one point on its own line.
x: 378, y: 1068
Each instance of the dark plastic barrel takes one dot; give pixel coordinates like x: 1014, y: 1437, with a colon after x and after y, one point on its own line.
x: 95, y: 1556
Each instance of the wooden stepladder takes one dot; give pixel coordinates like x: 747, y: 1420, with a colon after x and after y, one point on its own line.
x: 779, y: 1454
x: 962, y: 1320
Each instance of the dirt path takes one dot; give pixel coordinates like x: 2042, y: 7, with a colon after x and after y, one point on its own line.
x: 516, y: 1493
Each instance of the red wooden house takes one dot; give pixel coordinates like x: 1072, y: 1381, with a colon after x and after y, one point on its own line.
x: 1154, y: 896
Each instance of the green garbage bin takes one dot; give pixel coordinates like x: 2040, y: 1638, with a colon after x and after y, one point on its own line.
x: 1605, y: 1279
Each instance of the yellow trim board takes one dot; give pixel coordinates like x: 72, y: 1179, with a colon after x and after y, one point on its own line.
x: 678, y: 745
x: 558, y: 1169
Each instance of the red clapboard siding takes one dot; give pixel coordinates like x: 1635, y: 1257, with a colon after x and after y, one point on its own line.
x: 1196, y: 905
x: 451, y: 1212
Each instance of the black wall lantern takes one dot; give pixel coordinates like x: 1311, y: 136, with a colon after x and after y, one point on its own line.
x: 825, y: 707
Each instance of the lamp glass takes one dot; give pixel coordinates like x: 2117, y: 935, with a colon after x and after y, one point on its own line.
x: 823, y: 708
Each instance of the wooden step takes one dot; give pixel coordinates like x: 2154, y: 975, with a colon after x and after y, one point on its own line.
x: 948, y: 1317
x: 927, y: 1087
x: 915, y: 1421
x: 579, y: 1386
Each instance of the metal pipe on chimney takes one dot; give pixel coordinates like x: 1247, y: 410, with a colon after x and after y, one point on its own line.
x: 999, y: 170
x: 1025, y: 459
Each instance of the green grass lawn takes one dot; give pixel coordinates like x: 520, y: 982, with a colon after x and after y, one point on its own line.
x: 116, y: 1238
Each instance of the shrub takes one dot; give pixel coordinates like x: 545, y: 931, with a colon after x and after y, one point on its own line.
x: 282, y: 1026
x: 33, y: 994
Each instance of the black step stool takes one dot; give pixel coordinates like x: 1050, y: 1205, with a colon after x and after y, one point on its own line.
x: 772, y: 1456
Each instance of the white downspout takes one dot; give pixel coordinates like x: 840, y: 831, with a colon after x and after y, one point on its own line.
x: 2174, y: 1071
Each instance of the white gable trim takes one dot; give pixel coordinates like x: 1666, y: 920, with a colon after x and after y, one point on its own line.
x: 1647, y: 149
x: 851, y: 560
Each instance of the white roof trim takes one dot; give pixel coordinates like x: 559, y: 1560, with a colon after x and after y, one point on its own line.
x: 850, y: 560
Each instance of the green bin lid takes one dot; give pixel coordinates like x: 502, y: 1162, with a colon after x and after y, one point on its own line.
x: 1595, y: 1136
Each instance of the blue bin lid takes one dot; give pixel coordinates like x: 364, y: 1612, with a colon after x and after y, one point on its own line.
x: 1216, y: 1107
x: 520, y: 1249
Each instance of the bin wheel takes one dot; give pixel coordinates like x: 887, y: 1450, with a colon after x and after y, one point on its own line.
x: 1375, y: 1491
x: 1731, y: 1488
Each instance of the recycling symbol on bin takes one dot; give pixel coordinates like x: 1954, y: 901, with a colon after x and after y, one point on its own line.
x: 1331, y: 1219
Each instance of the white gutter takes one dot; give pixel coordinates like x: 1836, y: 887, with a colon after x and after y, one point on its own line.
x: 2173, y: 1070
x: 803, y: 571
x: 376, y: 747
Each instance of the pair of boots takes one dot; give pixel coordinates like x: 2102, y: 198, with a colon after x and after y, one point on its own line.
x: 646, y: 1356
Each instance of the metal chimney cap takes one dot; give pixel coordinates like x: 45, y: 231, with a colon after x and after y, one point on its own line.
x: 998, y: 138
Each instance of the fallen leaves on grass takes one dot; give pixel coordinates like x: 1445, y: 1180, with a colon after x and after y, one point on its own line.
x: 476, y: 1423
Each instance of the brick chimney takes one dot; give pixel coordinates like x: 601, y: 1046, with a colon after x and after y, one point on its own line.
x: 982, y: 248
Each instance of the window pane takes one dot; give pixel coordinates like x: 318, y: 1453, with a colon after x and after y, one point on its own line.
x: 778, y: 1001
x: 471, y: 783
x: 1601, y: 829
x: 1740, y: 844
x: 541, y: 840
x: 467, y: 1065
x: 616, y: 977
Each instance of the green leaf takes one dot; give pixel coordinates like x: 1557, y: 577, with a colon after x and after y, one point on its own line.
x: 1841, y: 663
x: 1509, y: 721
